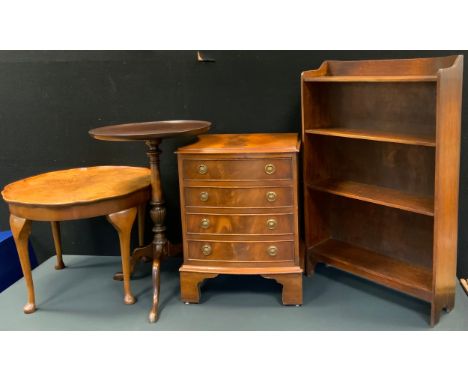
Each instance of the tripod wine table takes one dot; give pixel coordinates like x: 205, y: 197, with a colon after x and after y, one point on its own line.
x: 152, y: 133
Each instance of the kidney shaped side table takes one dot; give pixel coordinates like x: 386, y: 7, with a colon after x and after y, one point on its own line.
x: 152, y: 133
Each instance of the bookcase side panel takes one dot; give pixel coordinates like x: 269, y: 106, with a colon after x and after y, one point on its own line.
x: 449, y: 97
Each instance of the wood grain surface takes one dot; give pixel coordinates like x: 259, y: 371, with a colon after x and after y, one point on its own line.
x: 243, y: 143
x: 381, y: 167
x: 240, y: 211
x: 150, y: 130
x: 78, y: 185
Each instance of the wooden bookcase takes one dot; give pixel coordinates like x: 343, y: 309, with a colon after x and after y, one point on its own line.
x: 381, y: 165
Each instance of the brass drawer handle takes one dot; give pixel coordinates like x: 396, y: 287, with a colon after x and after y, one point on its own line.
x: 205, y: 223
x: 271, y: 223
x: 202, y: 169
x: 272, y: 250
x: 206, y: 249
x: 270, y: 168
x: 204, y: 196
x: 271, y: 196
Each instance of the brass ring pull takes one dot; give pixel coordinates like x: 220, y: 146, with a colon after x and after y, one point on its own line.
x: 206, y: 249
x: 272, y: 250
x: 202, y: 169
x: 270, y: 168
x: 271, y: 223
x: 204, y: 196
x: 271, y: 196
x: 205, y: 223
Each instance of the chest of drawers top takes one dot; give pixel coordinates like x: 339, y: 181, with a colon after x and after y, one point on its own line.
x: 243, y: 144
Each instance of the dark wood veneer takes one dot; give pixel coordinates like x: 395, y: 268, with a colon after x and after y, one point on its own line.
x: 381, y: 164
x: 240, y: 211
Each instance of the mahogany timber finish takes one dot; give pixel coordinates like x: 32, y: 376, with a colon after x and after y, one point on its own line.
x: 378, y: 195
x: 118, y: 192
x: 152, y: 134
x: 381, y: 166
x: 150, y: 131
x: 240, y: 211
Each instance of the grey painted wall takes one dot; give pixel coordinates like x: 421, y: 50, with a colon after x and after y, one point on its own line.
x: 49, y: 101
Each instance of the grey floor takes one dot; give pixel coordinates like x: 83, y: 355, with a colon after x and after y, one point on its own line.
x: 84, y: 297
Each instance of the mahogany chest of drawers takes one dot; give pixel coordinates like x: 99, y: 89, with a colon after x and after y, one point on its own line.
x: 239, y: 211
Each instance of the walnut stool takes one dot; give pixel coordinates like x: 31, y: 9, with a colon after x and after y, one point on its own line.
x: 118, y: 192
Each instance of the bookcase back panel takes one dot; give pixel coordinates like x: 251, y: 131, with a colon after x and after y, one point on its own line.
x: 391, y: 232
x: 402, y: 167
x: 406, y: 108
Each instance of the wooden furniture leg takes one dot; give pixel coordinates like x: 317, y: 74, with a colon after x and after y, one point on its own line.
x: 190, y: 285
x: 58, y: 245
x: 436, y: 309
x: 310, y: 263
x: 464, y: 283
x: 292, y: 287
x: 141, y: 253
x: 156, y: 277
x: 158, y: 216
x: 446, y: 303
x: 21, y: 229
x: 123, y: 222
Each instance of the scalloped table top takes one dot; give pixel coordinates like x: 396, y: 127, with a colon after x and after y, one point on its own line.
x: 77, y: 185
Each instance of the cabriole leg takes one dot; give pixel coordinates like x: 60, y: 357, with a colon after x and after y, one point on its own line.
x: 58, y: 245
x: 123, y: 222
x: 21, y: 229
x: 156, y: 277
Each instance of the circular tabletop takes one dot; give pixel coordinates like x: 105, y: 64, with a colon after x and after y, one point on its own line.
x: 77, y: 185
x: 150, y: 130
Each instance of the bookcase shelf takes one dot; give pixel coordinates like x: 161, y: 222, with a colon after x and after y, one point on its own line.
x: 376, y: 194
x: 380, y: 201
x: 396, y: 274
x: 375, y: 135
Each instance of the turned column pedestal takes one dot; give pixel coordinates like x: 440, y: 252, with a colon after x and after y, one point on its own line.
x: 152, y: 133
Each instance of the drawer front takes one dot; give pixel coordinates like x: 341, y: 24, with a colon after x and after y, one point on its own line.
x: 241, y: 251
x: 237, y: 169
x: 238, y: 197
x: 240, y: 224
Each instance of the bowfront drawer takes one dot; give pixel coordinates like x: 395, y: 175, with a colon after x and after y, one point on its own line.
x: 240, y: 224
x: 238, y: 197
x: 241, y: 251
x: 237, y: 169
